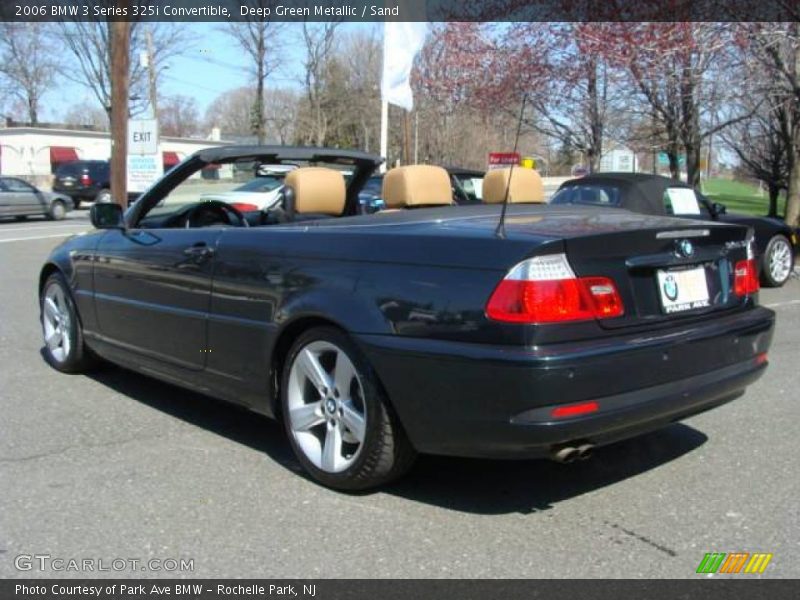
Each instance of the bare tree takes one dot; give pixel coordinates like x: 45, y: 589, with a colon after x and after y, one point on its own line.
x: 86, y: 114
x: 776, y: 48
x: 318, y: 42
x: 27, y: 63
x: 88, y: 43
x: 259, y: 39
x: 231, y: 111
x: 179, y: 116
x: 280, y: 113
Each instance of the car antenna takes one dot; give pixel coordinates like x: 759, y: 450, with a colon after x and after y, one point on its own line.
x: 501, y: 226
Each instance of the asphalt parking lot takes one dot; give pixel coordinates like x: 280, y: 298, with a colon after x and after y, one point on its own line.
x: 114, y: 465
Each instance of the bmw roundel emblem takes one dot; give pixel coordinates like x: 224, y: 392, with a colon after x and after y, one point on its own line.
x: 671, y: 288
x: 685, y: 248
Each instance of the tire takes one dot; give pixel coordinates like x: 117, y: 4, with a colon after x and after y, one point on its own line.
x: 76, y: 203
x: 347, y: 440
x: 65, y: 351
x: 57, y: 211
x: 21, y: 218
x: 777, y: 262
x: 103, y: 196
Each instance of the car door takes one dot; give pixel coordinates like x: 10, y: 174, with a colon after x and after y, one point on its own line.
x: 152, y: 292
x: 5, y: 195
x: 22, y: 198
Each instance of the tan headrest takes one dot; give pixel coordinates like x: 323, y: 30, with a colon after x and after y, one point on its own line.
x: 417, y: 185
x: 526, y: 186
x: 317, y: 190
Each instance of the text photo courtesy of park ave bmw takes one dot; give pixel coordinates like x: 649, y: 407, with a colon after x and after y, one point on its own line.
x: 392, y: 299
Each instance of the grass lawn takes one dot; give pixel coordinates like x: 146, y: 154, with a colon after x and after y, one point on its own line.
x: 740, y: 197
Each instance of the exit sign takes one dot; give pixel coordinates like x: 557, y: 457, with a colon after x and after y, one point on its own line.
x: 142, y: 136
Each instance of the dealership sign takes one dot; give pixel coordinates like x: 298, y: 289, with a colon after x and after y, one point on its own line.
x: 143, y: 171
x: 500, y: 160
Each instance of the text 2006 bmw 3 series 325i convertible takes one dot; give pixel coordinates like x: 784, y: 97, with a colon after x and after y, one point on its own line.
x: 427, y: 327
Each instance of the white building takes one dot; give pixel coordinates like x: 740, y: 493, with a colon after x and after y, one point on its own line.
x: 619, y: 160
x: 34, y: 153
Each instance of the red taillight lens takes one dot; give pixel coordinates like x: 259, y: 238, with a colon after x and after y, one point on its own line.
x: 574, y: 410
x: 85, y: 179
x: 545, y: 290
x: 244, y: 206
x: 745, y: 278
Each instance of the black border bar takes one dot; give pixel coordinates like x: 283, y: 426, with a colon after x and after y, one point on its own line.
x: 401, y: 10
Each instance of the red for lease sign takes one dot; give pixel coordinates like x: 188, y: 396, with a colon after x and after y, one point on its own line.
x: 500, y: 160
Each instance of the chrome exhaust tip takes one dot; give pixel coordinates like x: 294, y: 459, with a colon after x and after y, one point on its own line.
x: 585, y: 451
x: 567, y: 454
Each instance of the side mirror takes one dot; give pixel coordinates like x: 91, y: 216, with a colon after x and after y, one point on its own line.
x: 107, y: 216
x: 719, y: 209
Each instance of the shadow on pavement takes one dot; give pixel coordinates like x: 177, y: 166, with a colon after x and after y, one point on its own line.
x: 466, y: 485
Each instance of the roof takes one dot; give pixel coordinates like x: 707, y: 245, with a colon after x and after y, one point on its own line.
x: 642, y: 192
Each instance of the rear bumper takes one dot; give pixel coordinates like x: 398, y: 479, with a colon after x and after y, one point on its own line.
x: 487, y: 401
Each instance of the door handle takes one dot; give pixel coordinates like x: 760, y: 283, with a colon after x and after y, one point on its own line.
x: 199, y: 250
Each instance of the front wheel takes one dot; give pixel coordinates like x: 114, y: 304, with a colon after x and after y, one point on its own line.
x: 778, y: 262
x: 61, y: 328
x: 338, y: 420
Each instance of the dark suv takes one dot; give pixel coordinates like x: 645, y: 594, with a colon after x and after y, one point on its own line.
x: 84, y: 180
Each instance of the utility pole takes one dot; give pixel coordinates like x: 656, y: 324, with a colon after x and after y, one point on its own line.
x: 151, y: 72
x: 120, y: 59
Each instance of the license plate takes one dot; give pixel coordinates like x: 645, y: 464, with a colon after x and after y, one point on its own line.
x: 683, y: 290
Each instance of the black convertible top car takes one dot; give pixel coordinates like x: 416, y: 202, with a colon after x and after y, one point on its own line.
x: 775, y: 242
x: 426, y: 327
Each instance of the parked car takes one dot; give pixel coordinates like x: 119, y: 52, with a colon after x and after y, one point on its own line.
x: 374, y: 337
x: 260, y: 193
x: 84, y: 180
x: 21, y: 200
x: 775, y: 242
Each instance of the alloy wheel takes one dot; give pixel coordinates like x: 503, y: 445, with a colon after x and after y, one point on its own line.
x: 780, y: 260
x: 326, y: 408
x: 56, y: 323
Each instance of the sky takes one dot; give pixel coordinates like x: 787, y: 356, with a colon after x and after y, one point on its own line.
x: 209, y: 66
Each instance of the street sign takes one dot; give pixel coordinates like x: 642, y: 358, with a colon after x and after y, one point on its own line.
x: 142, y: 136
x: 143, y: 171
x: 501, y: 160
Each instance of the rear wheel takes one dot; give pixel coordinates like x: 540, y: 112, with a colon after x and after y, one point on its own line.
x: 61, y: 329
x: 76, y: 202
x: 338, y: 420
x: 57, y: 210
x: 20, y: 217
x: 778, y: 262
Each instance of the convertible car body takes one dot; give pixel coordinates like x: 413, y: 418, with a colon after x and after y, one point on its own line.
x: 422, y: 328
x: 775, y: 242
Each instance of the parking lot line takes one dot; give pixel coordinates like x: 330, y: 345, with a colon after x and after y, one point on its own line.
x: 779, y: 304
x: 43, y: 227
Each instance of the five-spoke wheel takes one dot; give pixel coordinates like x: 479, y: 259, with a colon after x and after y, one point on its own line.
x: 339, y: 422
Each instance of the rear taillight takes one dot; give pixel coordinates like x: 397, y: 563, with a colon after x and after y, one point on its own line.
x: 85, y: 179
x: 745, y: 277
x: 544, y: 289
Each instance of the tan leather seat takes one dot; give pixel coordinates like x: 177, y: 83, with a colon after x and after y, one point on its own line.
x: 417, y: 185
x: 525, y: 187
x: 315, y: 190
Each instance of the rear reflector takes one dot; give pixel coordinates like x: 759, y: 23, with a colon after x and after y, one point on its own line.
x: 574, y: 410
x: 544, y: 289
x: 745, y: 277
x: 85, y: 179
x: 761, y: 358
